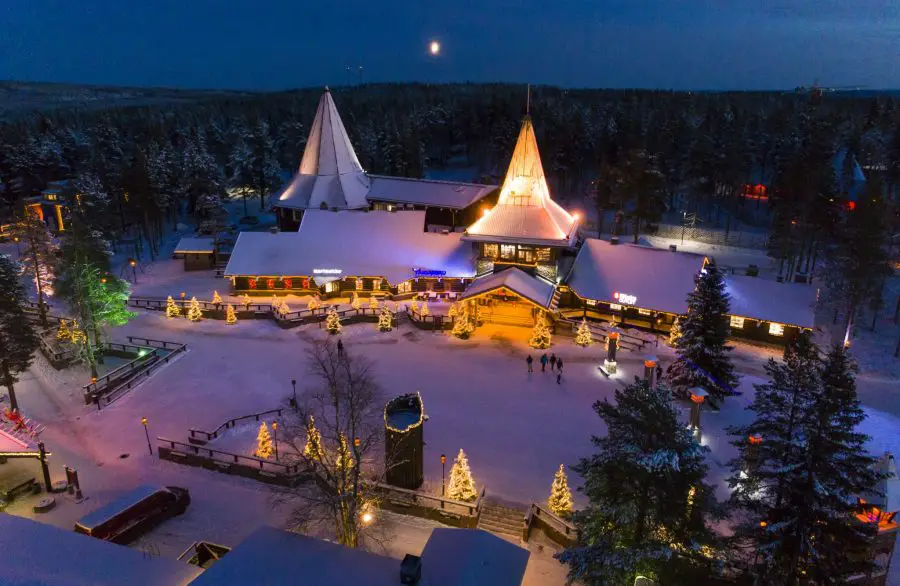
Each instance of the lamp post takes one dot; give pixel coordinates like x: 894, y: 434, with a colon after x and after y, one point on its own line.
x: 182, y: 305
x: 443, y: 468
x: 294, y: 397
x: 18, y: 250
x: 275, y: 438
x: 133, y: 264
x: 147, y: 433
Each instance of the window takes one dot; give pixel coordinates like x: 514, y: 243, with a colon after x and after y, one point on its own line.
x: 332, y: 287
x: 296, y: 214
x: 508, y: 251
x: 404, y: 287
x: 543, y: 255
x: 776, y: 329
x: 737, y: 322
x: 615, y: 307
x: 591, y: 302
x: 491, y: 250
x: 359, y: 284
x: 526, y: 254
x: 644, y: 311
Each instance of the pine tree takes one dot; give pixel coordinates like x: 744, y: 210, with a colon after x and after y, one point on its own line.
x: 313, y: 304
x: 63, y: 333
x: 38, y: 258
x: 373, y: 302
x: 171, y: 309
x: 703, y: 353
x: 18, y: 338
x: 245, y: 301
x: 540, y: 335
x: 423, y: 311
x: 462, y: 327
x: 217, y: 299
x: 194, y: 312
x: 264, y: 447
x: 414, y: 305
x: 230, y: 317
x: 560, y: 501
x: 583, y: 337
x: 385, y: 320
x: 344, y: 459
x: 313, y: 448
x: 333, y: 321
x: 76, y: 334
x: 461, y: 486
x: 675, y: 332
x: 283, y: 309
x: 648, y: 499
x: 355, y: 303
x: 797, y: 496
x: 453, y: 311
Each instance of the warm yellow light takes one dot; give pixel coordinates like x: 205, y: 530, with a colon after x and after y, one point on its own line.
x: 575, y: 215
x: 434, y: 47
x: 367, y: 518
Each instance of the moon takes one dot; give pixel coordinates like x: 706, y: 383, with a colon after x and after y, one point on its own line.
x: 434, y: 48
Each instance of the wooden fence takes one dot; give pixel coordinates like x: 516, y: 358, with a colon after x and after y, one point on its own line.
x: 554, y: 527
x: 200, y: 437
x: 437, y: 508
x: 601, y: 332
x: 267, y: 471
x: 119, y: 381
x: 430, y: 321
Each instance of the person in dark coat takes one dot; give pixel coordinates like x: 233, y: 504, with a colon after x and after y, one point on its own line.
x: 340, y: 347
x: 553, y: 362
x: 544, y: 362
x: 529, y: 360
x: 659, y: 372
x: 559, y: 365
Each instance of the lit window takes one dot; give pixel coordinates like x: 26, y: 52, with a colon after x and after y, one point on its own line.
x: 615, y: 307
x: 491, y: 250
x: 776, y: 329
x: 331, y: 287
x: 591, y: 302
x: 359, y: 284
x: 543, y: 254
x: 644, y: 311
x: 737, y: 322
x: 508, y: 251
x: 526, y: 254
x: 404, y: 287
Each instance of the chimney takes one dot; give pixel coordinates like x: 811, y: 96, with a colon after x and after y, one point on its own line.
x: 410, y: 570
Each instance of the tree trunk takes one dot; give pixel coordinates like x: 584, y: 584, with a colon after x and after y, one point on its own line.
x: 42, y: 311
x: 8, y: 382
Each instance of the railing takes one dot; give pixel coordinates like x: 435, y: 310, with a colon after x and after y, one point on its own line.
x: 556, y: 528
x: 626, y: 341
x: 198, y: 435
x: 159, y: 304
x: 437, y: 322
x: 97, y: 387
x: 119, y: 381
x: 438, y: 504
x: 231, y: 463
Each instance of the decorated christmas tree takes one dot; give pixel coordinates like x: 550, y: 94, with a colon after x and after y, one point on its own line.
x: 540, y: 335
x: 171, y: 309
x: 560, y: 501
x: 313, y: 304
x: 64, y: 334
x: 675, y: 332
x: 461, y: 486
x: 423, y: 311
x: 333, y: 321
x: 77, y: 335
x: 283, y: 309
x: 373, y: 302
x: 414, y: 305
x: 385, y: 320
x: 355, y: 303
x: 344, y: 457
x: 217, y: 299
x: 230, y: 317
x: 264, y: 447
x: 453, y: 311
x: 583, y: 337
x: 194, y: 312
x: 245, y: 300
x: 313, y: 448
x: 462, y: 327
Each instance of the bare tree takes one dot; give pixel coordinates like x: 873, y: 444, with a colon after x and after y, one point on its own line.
x: 337, y: 433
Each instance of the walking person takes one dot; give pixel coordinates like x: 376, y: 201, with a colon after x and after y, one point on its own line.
x: 544, y: 362
x: 553, y: 362
x: 559, y: 366
x: 340, y: 348
x: 529, y: 360
x: 659, y: 372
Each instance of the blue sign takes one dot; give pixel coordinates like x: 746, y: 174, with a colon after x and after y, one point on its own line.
x: 427, y: 273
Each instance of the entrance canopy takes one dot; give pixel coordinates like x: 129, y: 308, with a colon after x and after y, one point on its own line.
x: 534, y: 289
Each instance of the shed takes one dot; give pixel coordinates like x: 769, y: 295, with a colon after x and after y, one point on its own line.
x: 199, y: 253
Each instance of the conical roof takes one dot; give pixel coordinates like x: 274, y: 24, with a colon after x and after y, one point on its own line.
x: 525, y: 213
x: 330, y: 174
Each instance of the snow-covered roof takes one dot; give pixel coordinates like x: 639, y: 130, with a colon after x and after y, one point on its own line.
x: 272, y: 556
x: 525, y: 213
x: 428, y: 192
x: 372, y: 244
x: 195, y: 244
x: 785, y: 303
x: 329, y: 173
x: 472, y: 557
x: 534, y: 289
x: 36, y: 553
x: 659, y: 278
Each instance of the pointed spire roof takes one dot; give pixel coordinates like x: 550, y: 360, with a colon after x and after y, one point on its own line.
x: 525, y: 213
x: 329, y: 173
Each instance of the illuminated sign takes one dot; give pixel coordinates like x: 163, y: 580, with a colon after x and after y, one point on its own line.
x: 428, y: 273
x: 625, y: 298
x: 327, y: 271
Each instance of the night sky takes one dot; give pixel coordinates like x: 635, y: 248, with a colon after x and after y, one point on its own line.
x: 273, y: 44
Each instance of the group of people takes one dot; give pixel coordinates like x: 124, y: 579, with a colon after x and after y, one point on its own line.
x: 556, y: 365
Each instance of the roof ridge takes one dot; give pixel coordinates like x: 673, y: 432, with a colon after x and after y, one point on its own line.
x: 426, y: 180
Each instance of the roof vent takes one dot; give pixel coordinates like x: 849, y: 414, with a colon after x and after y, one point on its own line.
x: 410, y: 570
x: 614, y: 240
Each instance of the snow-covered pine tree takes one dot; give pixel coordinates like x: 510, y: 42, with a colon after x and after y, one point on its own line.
x: 38, y: 258
x: 264, y: 447
x: 18, y: 337
x: 385, y: 319
x: 245, y: 301
x: 462, y: 326
x: 333, y: 321
x: 703, y: 352
x: 423, y: 311
x: 540, y: 335
x: 63, y: 333
x: 796, y: 500
x: 373, y: 302
x: 171, y: 309
x: 313, y: 304
x: 675, y: 332
x: 560, y: 501
x: 583, y: 336
x: 648, y: 498
x: 461, y: 485
x: 313, y: 448
x: 230, y: 317
x: 194, y: 312
x: 355, y: 303
x: 283, y: 309
x: 414, y: 305
x: 217, y: 299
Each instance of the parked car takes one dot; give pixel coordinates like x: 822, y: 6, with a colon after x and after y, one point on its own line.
x: 134, y: 514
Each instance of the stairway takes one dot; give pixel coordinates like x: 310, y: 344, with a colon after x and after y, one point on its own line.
x: 554, y: 302
x: 502, y: 520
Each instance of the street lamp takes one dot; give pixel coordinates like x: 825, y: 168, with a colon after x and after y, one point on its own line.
x: 443, y: 468
x: 182, y: 305
x: 275, y: 438
x: 18, y: 250
x: 356, y: 443
x: 133, y: 264
x: 294, y: 398
x: 147, y: 433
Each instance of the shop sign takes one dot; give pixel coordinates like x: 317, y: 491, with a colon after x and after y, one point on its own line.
x: 625, y: 298
x: 327, y: 271
x: 428, y: 273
